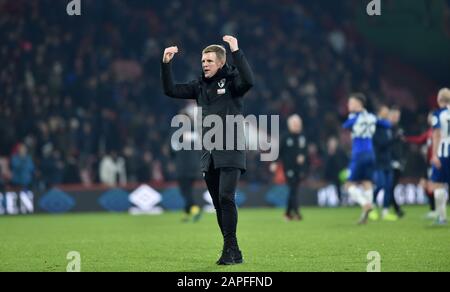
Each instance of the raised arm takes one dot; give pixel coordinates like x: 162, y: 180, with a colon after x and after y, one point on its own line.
x: 245, y: 80
x: 436, y: 138
x: 421, y: 139
x: 436, y: 142
x: 350, y: 122
x: 182, y: 91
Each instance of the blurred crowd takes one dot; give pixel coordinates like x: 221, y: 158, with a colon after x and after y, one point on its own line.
x: 81, y: 99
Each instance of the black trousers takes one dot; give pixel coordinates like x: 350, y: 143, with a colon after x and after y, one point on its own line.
x: 397, y: 175
x: 292, y: 203
x: 222, y: 185
x: 432, y: 202
x: 338, y: 185
x: 186, y: 187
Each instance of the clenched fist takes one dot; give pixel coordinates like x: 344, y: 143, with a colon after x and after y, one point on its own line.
x: 169, y: 53
x: 232, y: 42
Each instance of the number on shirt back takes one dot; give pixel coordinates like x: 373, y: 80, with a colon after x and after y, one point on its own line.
x: 364, y: 129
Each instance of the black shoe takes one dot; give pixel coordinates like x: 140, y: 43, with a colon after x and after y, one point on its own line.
x: 400, y: 213
x: 298, y: 217
x: 230, y: 256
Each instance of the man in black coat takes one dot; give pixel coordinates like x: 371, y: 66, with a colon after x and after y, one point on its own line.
x: 335, y: 161
x: 219, y: 91
x: 398, y: 159
x: 293, y: 155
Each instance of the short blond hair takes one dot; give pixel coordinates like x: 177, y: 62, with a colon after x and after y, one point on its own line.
x: 444, y: 96
x: 220, y: 51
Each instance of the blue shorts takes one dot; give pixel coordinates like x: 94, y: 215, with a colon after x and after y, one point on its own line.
x: 441, y: 175
x: 362, y: 168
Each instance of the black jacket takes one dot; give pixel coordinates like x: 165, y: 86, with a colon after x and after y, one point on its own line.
x: 291, y: 146
x: 187, y: 162
x: 334, y: 163
x: 398, y: 155
x: 220, y: 95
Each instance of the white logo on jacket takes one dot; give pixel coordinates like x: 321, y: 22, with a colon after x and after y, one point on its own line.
x: 221, y: 83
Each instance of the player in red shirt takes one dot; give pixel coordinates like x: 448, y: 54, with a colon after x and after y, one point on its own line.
x: 426, y: 138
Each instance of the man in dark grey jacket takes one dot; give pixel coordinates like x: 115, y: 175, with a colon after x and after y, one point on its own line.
x: 219, y: 91
x: 187, y: 164
x: 294, y: 156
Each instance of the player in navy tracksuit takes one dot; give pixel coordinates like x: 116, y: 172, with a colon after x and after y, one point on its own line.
x: 384, y: 175
x: 362, y: 165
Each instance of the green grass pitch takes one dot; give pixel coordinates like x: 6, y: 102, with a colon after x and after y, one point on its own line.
x: 327, y: 240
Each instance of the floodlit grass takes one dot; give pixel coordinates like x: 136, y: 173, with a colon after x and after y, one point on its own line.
x: 327, y: 240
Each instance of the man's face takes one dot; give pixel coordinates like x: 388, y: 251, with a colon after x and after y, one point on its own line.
x: 332, y: 145
x: 383, y: 112
x: 394, y: 116
x: 295, y: 125
x: 22, y: 150
x: 211, y: 64
x: 354, y: 105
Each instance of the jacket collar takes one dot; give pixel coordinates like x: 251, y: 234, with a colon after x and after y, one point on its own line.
x: 223, y: 72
